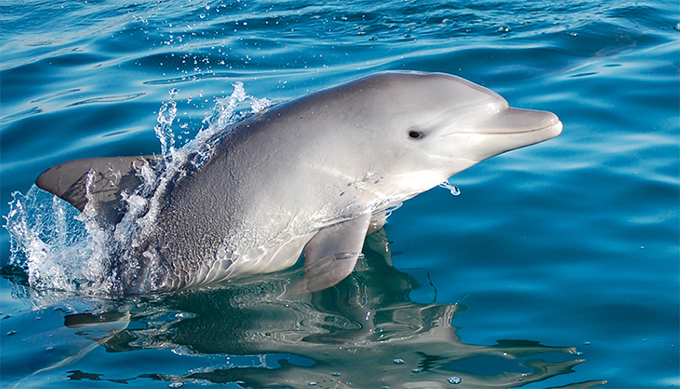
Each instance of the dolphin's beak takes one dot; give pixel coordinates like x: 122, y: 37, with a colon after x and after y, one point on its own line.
x: 513, y: 128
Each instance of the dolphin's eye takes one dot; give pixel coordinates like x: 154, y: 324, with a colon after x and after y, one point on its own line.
x: 415, y: 134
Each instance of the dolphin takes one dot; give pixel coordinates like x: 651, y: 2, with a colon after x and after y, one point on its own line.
x: 314, y: 175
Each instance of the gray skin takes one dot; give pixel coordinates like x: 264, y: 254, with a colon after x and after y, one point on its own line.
x: 315, y: 174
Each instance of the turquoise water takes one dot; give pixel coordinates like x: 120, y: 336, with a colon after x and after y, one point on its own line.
x: 558, y: 264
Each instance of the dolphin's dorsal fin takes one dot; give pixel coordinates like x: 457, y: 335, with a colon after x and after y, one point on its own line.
x: 72, y: 182
x: 331, y: 254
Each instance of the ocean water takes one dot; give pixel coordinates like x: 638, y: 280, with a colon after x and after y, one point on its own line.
x: 558, y: 265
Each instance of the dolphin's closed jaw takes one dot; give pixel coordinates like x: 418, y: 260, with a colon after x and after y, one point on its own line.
x: 515, y: 121
x: 513, y: 128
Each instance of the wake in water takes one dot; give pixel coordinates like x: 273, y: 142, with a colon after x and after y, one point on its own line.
x: 60, y: 248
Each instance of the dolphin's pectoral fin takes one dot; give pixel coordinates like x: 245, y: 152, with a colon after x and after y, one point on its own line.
x: 331, y: 254
x: 101, y: 180
x: 377, y: 222
x: 379, y: 219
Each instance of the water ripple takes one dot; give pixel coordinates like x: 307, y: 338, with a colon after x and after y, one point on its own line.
x: 108, y: 99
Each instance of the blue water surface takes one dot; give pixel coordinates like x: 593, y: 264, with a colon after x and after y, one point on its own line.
x: 557, y: 266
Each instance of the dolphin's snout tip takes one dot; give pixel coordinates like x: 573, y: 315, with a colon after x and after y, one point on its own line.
x: 558, y: 127
x: 545, y: 127
x: 555, y: 127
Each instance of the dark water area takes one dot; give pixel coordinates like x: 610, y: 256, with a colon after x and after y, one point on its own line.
x: 557, y: 266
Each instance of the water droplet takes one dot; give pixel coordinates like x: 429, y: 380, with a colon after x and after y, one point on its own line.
x: 398, y: 361
x: 453, y: 189
x: 173, y: 92
x: 259, y: 105
x: 176, y: 384
x: 313, y: 383
x: 503, y: 29
x: 6, y: 316
x: 415, y: 371
x: 11, y: 333
x: 578, y: 353
x: 454, y: 380
x: 336, y: 374
x: 50, y: 348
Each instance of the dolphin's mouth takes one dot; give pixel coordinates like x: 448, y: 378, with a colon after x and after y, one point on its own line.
x: 555, y: 126
x: 520, y: 121
x: 511, y: 129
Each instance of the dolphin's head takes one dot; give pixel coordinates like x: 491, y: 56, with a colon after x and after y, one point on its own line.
x: 435, y: 125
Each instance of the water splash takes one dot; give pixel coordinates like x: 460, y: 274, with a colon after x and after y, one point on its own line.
x: 452, y: 188
x: 62, y: 249
x: 163, y: 129
x: 45, y: 233
x: 224, y: 112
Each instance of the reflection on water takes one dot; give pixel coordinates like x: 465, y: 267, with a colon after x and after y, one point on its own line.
x: 363, y: 333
